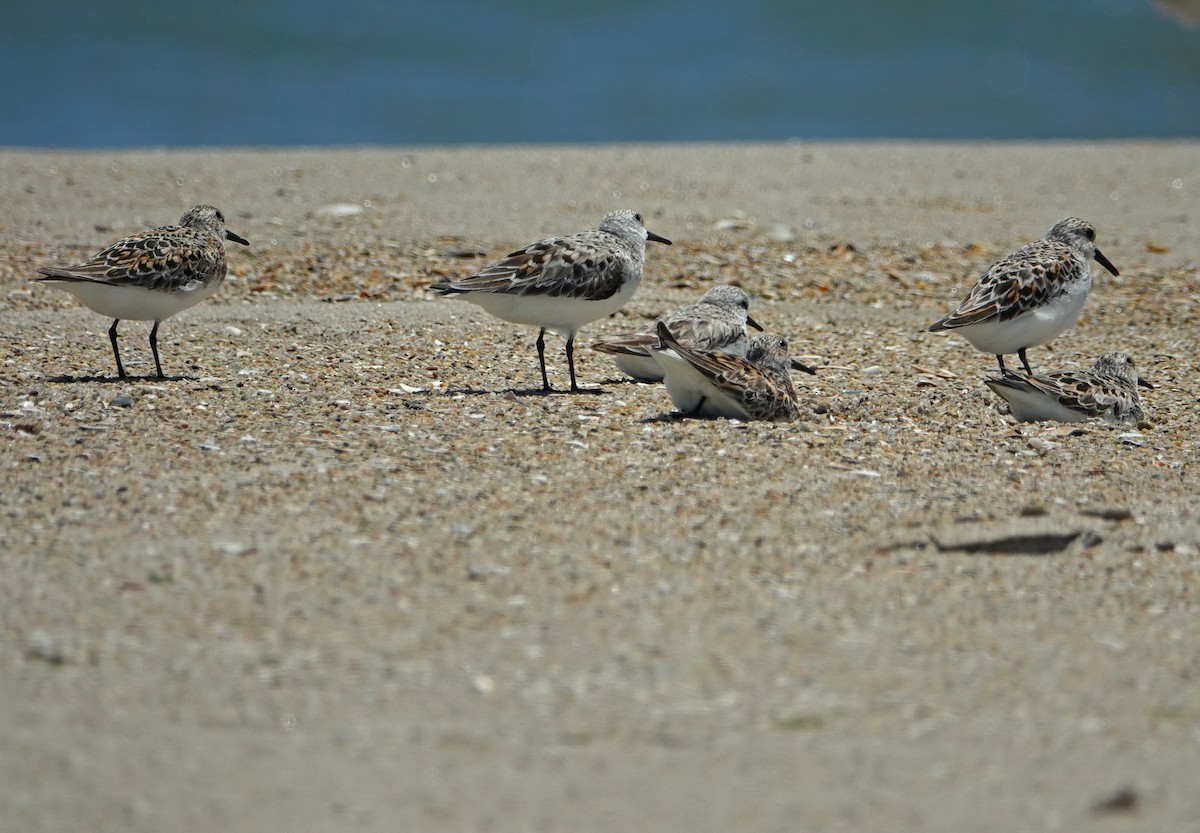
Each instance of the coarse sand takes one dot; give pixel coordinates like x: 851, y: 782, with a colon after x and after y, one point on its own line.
x: 347, y: 570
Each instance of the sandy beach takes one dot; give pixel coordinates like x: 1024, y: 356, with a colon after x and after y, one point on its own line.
x: 346, y: 570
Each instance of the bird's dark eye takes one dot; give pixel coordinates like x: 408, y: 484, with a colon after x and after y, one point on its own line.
x: 745, y: 304
x: 1089, y: 233
x: 220, y: 216
x: 637, y: 217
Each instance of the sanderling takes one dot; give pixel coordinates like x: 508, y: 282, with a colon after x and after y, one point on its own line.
x: 713, y: 384
x: 1031, y: 296
x: 1107, y: 391
x: 562, y: 283
x: 152, y: 275
x: 716, y: 322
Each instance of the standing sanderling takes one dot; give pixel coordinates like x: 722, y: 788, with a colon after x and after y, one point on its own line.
x: 716, y: 322
x: 1108, y: 391
x: 713, y: 384
x: 562, y: 283
x: 152, y: 275
x: 1031, y: 296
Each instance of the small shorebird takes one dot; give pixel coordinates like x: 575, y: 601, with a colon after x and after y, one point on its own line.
x: 1107, y: 391
x: 716, y: 322
x: 712, y: 384
x: 1031, y: 296
x: 562, y: 283
x: 152, y: 275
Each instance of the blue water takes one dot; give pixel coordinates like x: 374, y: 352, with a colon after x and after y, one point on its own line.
x: 123, y: 73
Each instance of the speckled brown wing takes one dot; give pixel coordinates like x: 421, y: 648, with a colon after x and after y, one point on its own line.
x: 1028, y: 278
x: 771, y: 396
x: 589, y: 265
x: 168, y: 258
x: 730, y: 373
x: 709, y: 332
x: 1087, y: 393
x: 765, y: 394
x: 637, y: 343
x: 689, y: 325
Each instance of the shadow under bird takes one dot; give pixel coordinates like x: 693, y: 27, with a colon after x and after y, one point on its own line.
x: 562, y: 283
x: 1107, y: 391
x: 1031, y: 296
x: 717, y: 321
x: 151, y: 275
x: 706, y: 383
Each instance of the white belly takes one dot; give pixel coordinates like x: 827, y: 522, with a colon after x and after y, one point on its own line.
x: 1032, y: 405
x: 562, y: 315
x: 688, y: 387
x: 1037, y: 326
x: 642, y: 368
x: 134, y: 303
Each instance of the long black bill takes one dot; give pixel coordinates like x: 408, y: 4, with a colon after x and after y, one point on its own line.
x: 236, y: 238
x: 1106, y: 263
x: 1142, y: 383
x: 752, y: 323
x: 803, y: 367
x: 658, y: 238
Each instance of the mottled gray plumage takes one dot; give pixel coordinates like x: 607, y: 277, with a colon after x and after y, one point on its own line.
x: 1031, y: 296
x: 152, y: 275
x: 713, y: 384
x: 562, y: 283
x: 1107, y: 391
x: 716, y: 322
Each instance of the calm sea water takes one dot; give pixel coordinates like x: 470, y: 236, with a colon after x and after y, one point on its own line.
x: 315, y: 72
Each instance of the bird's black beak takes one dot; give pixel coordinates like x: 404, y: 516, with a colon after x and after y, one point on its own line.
x: 751, y: 322
x: 1106, y: 263
x: 236, y: 238
x: 657, y: 238
x: 1142, y: 383
x: 803, y: 367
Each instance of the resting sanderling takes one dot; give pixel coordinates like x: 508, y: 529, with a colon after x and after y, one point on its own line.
x: 152, y: 275
x: 713, y: 384
x: 562, y: 283
x: 716, y: 322
x: 1031, y: 296
x: 1107, y: 391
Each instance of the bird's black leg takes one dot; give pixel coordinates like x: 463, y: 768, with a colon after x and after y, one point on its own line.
x: 112, y: 336
x: 571, y: 363
x: 154, y: 349
x: 1025, y: 361
x: 695, y: 412
x: 541, y: 346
